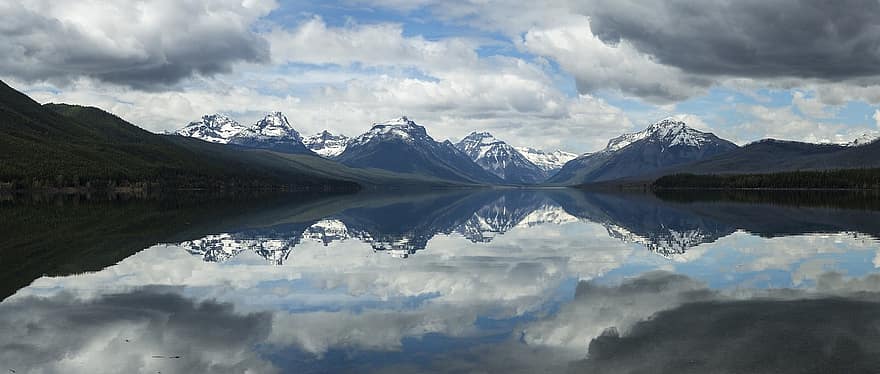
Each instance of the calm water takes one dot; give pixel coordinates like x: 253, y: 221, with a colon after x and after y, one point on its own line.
x: 469, y: 281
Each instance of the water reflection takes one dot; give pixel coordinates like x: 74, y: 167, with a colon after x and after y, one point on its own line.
x: 667, y: 227
x: 493, y: 281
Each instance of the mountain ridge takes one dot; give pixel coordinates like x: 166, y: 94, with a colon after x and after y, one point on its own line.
x: 326, y: 144
x: 663, y: 144
x: 70, y: 146
x: 500, y: 159
x: 273, y: 132
x: 401, y: 145
x: 550, y: 162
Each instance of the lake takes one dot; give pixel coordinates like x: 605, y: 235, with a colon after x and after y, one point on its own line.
x: 510, y: 281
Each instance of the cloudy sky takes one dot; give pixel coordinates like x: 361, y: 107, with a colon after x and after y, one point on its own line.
x: 554, y: 74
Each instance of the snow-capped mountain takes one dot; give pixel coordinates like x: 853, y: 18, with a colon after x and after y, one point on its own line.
x: 214, y: 128
x: 402, y: 129
x: 401, y: 145
x: 500, y: 159
x: 667, y: 133
x: 272, y: 132
x: 664, y: 144
x: 550, y: 162
x: 863, y: 139
x: 326, y: 144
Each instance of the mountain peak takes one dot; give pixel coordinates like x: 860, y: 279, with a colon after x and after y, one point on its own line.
x: 663, y: 144
x: 547, y: 161
x: 482, y: 137
x: 214, y: 128
x: 670, y: 131
x: 274, y: 119
x: 500, y: 159
x: 400, y: 128
x: 401, y: 145
x: 399, y: 121
x: 326, y: 143
x: 273, y: 131
x: 273, y: 125
x: 216, y: 117
x: 668, y: 123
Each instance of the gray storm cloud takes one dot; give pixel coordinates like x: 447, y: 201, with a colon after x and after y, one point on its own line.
x: 828, y: 40
x: 143, y: 44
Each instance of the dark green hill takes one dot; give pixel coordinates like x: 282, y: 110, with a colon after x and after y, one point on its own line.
x: 57, y: 145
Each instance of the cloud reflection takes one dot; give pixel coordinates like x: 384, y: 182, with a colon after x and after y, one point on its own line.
x: 134, y: 332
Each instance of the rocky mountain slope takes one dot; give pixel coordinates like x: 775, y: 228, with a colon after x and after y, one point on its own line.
x: 550, y: 162
x: 401, y: 145
x: 326, y: 144
x: 664, y: 144
x: 500, y: 159
x: 273, y: 132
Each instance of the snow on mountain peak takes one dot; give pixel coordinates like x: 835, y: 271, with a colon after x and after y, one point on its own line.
x: 500, y: 158
x: 215, y: 128
x: 218, y: 128
x: 482, y: 145
x: 483, y: 137
x: 273, y: 125
x: 863, y: 139
x: 400, y: 128
x: 547, y: 161
x: 326, y: 144
x: 670, y: 131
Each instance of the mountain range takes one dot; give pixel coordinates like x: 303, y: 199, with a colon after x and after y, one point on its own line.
x: 398, y: 145
x: 273, y: 132
x: 69, y: 146
x: 62, y: 145
x: 665, y: 147
x: 401, y: 145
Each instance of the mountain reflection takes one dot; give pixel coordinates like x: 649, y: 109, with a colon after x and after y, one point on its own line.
x: 668, y: 225
x: 400, y: 228
x: 512, y: 281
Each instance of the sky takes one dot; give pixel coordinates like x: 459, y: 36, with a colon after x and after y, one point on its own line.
x: 554, y: 74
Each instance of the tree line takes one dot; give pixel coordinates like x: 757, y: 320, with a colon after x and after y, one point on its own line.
x: 828, y: 179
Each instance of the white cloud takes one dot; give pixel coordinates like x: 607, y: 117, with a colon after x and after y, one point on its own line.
x: 877, y: 117
x: 344, y: 77
x: 515, y: 100
x: 597, y: 66
x: 811, y: 106
x: 382, y: 44
x: 784, y: 123
x: 694, y: 121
